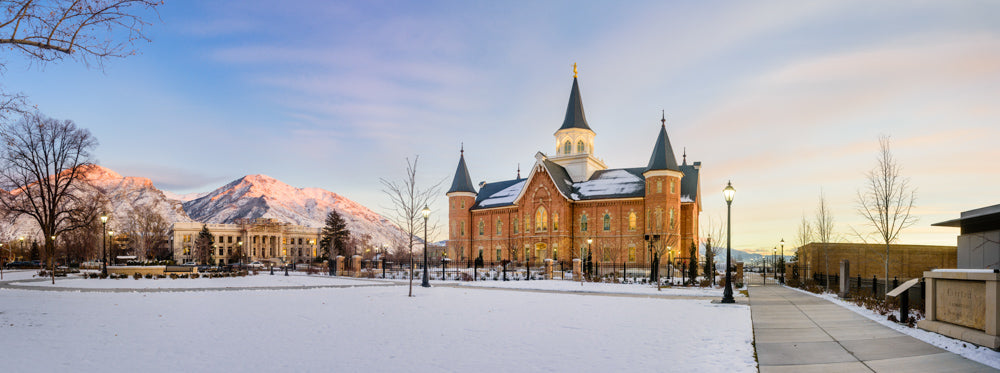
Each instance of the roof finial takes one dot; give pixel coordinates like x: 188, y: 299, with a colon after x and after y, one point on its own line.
x: 518, y: 171
x: 663, y: 119
x: 574, y: 70
x: 685, y: 155
x: 463, y: 148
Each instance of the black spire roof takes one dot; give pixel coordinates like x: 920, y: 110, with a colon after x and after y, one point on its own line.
x: 663, y: 155
x: 574, y: 110
x: 462, y: 181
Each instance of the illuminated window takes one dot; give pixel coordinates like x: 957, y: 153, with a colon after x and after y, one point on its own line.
x: 555, y: 222
x: 482, y: 228
x: 580, y: 148
x: 672, y: 187
x: 672, y: 218
x: 499, y: 226
x: 541, y: 219
x: 607, y: 222
x: 463, y: 204
x: 515, y: 225
x: 631, y: 221
x: 583, y: 223
x: 659, y: 186
x: 567, y: 147
x: 631, y: 254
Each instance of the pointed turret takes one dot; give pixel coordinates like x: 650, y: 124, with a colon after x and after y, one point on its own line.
x: 663, y: 155
x: 574, y: 110
x: 462, y: 181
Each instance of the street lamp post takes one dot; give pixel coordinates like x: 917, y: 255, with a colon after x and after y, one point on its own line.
x: 727, y: 294
x: 104, y: 244
x: 774, y: 262
x: 426, y: 212
x: 782, y: 278
x: 20, y: 246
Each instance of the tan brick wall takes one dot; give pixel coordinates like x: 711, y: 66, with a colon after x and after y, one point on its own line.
x: 905, y: 261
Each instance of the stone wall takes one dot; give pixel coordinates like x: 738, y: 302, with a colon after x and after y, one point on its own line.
x: 905, y: 261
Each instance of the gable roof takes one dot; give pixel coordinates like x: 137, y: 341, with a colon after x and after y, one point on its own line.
x: 611, y: 183
x: 574, y: 110
x: 689, y: 183
x: 462, y: 182
x: 499, y: 194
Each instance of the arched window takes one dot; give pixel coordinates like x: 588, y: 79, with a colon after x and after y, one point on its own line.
x: 482, y: 228
x: 555, y: 222
x: 607, y: 222
x: 541, y: 219
x: 659, y: 186
x: 498, y: 255
x: 583, y: 223
x: 672, y: 187
x: 580, y: 147
x: 499, y: 227
x: 631, y: 254
x: 672, y: 221
x: 631, y: 221
x: 515, y: 225
x: 567, y: 147
x: 462, y: 225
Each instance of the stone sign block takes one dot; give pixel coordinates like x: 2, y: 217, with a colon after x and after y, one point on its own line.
x: 961, y: 302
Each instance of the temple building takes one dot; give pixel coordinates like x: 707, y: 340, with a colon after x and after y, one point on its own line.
x: 570, y: 197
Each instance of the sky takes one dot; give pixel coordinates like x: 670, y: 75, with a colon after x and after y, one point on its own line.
x: 785, y: 99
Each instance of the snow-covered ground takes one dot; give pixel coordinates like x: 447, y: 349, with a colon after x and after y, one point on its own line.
x: 968, y: 350
x: 372, y: 328
x: 19, y: 274
x: 261, y: 280
x: 592, y: 287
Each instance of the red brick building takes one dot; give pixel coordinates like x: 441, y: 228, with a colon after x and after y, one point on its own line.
x: 572, y: 196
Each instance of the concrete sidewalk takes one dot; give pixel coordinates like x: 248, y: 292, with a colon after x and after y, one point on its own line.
x: 796, y: 332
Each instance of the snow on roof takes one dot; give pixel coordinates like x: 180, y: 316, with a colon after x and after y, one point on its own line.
x: 617, y: 182
x: 686, y: 198
x: 504, y: 196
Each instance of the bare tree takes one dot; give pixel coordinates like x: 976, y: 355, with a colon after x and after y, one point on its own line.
x: 886, y: 201
x: 408, y: 199
x: 40, y: 168
x: 91, y: 31
x: 824, y: 232
x: 147, y: 230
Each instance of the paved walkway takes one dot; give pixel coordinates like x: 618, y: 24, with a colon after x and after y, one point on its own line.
x: 796, y: 332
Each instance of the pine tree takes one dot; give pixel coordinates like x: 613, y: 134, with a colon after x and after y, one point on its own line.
x: 693, y: 266
x: 203, y: 245
x: 334, y: 235
x: 35, y: 254
x: 709, y: 269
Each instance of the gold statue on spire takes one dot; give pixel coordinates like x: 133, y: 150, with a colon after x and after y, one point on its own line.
x: 574, y: 70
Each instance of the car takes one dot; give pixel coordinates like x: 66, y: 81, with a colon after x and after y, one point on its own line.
x: 256, y: 265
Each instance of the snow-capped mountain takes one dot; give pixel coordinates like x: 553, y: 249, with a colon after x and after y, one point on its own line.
x: 261, y: 196
x: 123, y: 193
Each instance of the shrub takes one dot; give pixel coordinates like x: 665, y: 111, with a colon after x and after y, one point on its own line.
x: 193, y: 275
x: 137, y: 275
x: 149, y: 275
x: 173, y: 276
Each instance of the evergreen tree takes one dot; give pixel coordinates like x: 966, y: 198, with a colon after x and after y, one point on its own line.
x: 693, y: 265
x: 203, y: 248
x: 334, y: 235
x: 709, y: 269
x: 35, y: 254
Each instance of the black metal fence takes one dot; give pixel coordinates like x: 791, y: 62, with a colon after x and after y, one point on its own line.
x: 480, y: 270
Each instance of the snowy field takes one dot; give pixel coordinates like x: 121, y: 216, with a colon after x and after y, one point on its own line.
x: 593, y: 287
x: 968, y: 350
x: 367, y: 328
x: 259, y: 281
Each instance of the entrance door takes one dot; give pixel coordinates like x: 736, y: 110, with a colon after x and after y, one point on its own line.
x: 540, y: 252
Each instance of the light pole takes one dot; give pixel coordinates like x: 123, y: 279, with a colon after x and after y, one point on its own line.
x: 782, y: 279
x: 727, y: 294
x: 774, y: 262
x: 104, y: 244
x: 582, y: 256
x: 427, y: 212
x: 20, y: 245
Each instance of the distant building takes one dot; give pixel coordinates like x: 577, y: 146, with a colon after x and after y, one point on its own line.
x: 572, y: 196
x: 905, y: 261
x: 979, y: 241
x: 264, y: 240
